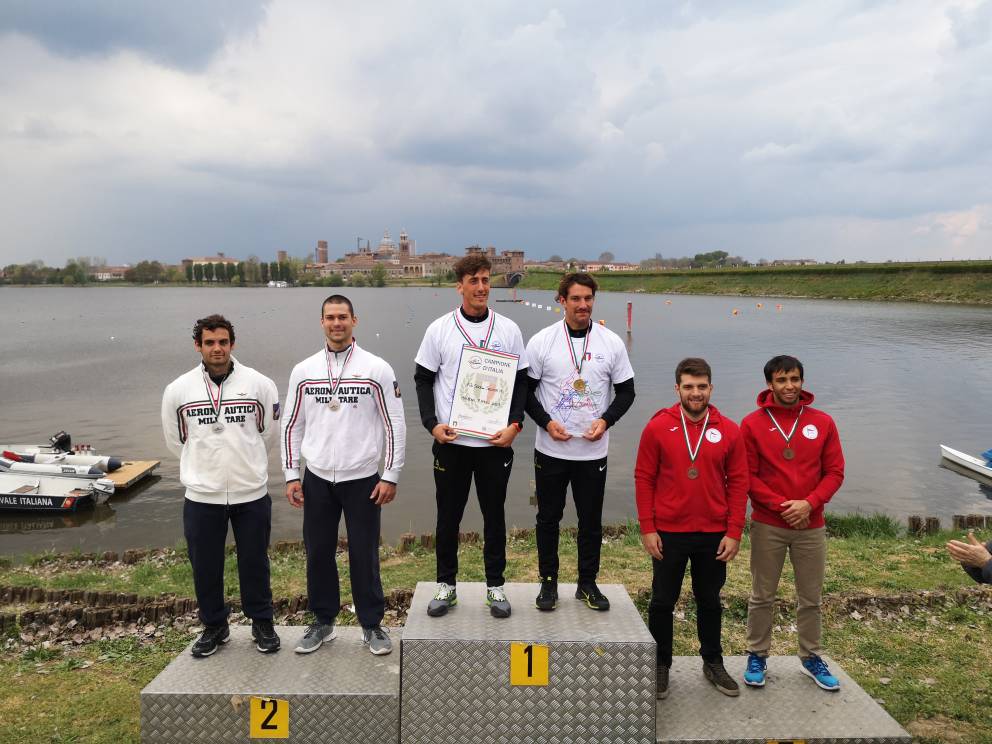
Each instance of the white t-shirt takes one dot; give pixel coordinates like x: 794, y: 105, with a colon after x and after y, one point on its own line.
x: 441, y: 350
x: 605, y: 362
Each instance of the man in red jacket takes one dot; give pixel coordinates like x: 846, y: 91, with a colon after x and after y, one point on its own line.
x: 796, y: 465
x: 691, y: 485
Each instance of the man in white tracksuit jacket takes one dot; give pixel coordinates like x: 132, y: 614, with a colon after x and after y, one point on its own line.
x: 219, y: 419
x: 344, y: 413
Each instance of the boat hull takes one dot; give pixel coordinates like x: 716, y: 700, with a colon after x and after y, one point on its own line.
x: 965, y: 460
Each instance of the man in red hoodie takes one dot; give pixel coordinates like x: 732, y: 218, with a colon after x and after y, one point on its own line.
x: 691, y: 485
x: 796, y: 465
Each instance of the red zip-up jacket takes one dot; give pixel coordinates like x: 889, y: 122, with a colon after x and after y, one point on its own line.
x: 667, y: 499
x: 815, y: 473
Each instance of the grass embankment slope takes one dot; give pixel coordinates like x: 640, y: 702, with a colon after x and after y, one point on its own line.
x: 950, y: 281
x: 899, y: 616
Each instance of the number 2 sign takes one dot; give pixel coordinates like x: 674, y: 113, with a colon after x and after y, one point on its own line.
x: 268, y: 718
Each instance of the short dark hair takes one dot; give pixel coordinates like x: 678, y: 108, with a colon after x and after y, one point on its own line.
x: 211, y: 323
x: 337, y: 299
x: 695, y: 367
x: 576, y: 277
x: 471, y: 264
x: 782, y: 363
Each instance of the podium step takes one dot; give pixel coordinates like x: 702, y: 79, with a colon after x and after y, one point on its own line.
x: 789, y: 708
x: 573, y: 675
x: 339, y: 693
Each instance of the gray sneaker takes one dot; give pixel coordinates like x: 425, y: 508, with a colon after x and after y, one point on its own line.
x: 444, y: 597
x: 314, y: 637
x: 499, y: 606
x: 377, y: 639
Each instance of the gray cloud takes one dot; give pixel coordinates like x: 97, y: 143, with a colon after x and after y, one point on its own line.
x: 180, y: 33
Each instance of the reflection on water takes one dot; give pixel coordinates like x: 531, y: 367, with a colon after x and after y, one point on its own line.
x: 898, y: 378
x: 19, y: 522
x: 984, y: 483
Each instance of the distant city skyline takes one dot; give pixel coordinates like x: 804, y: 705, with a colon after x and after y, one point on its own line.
x: 850, y: 130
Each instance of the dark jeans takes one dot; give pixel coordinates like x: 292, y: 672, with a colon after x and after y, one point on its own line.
x: 454, y: 467
x: 205, y: 529
x: 552, y: 477
x: 323, y: 503
x: 708, y: 577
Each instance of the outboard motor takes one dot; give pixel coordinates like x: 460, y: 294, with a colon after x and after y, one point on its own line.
x: 61, y: 441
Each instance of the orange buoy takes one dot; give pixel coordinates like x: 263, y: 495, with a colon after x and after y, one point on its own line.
x: 759, y: 306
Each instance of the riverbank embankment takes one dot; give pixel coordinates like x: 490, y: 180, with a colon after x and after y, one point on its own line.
x: 84, y: 634
x: 960, y: 282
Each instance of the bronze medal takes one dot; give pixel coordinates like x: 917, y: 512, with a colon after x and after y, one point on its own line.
x: 788, y: 453
x: 693, y: 473
x: 579, y: 385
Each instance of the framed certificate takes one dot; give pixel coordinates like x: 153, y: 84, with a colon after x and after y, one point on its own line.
x: 483, y: 388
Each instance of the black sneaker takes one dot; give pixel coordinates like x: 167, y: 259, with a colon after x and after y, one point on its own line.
x: 590, y: 594
x: 716, y: 673
x: 662, y: 682
x: 265, y: 636
x: 210, y: 640
x: 547, y: 600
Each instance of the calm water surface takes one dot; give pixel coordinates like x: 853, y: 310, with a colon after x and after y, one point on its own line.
x: 898, y: 378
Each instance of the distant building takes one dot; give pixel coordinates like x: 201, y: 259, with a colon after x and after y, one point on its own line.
x: 401, y: 260
x: 282, y: 256
x: 108, y: 273
x: 321, y: 256
x: 505, y: 263
x: 795, y: 262
x: 219, y: 258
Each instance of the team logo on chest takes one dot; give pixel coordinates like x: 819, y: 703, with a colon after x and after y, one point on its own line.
x: 810, y: 431
x: 713, y: 436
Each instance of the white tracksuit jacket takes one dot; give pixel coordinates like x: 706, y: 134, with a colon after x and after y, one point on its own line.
x: 345, y: 444
x: 230, y: 467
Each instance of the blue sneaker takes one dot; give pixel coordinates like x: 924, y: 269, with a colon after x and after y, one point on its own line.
x: 754, y: 675
x: 816, y: 668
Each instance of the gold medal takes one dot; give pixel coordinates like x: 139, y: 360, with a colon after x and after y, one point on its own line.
x: 693, y: 473
x: 579, y: 385
x: 788, y: 453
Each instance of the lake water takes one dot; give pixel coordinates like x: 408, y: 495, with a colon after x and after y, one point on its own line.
x: 898, y: 378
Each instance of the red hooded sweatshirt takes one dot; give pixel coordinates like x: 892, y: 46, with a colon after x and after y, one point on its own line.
x: 816, y: 471
x: 667, y: 499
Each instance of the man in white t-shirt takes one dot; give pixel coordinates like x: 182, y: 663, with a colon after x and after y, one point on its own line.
x: 573, y: 365
x: 459, y: 458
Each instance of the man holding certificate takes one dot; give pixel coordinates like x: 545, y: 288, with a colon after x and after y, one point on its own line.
x: 471, y: 384
x: 573, y: 365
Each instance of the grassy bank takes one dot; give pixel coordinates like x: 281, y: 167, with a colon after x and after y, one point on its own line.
x: 956, y: 282
x: 899, y: 616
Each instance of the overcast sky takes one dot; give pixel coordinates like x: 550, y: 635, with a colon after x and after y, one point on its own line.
x: 859, y: 129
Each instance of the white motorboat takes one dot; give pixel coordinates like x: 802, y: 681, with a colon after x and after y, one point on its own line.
x: 970, y: 462
x: 55, y: 469
x: 59, y: 450
x: 21, y: 491
x: 101, y: 462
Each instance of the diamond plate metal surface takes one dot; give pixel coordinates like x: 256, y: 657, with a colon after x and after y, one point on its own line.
x: 789, y: 707
x: 572, y: 621
x: 340, y: 693
x: 455, y: 679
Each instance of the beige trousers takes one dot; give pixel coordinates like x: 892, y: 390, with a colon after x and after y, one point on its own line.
x: 808, y: 551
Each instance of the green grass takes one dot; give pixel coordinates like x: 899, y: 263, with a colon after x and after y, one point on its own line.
x: 927, y: 664
x: 956, y: 282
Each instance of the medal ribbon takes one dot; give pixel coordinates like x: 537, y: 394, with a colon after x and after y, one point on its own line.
x: 685, y: 430
x: 489, y: 331
x: 792, y: 431
x: 330, y: 376
x: 577, y: 363
x: 214, y: 405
